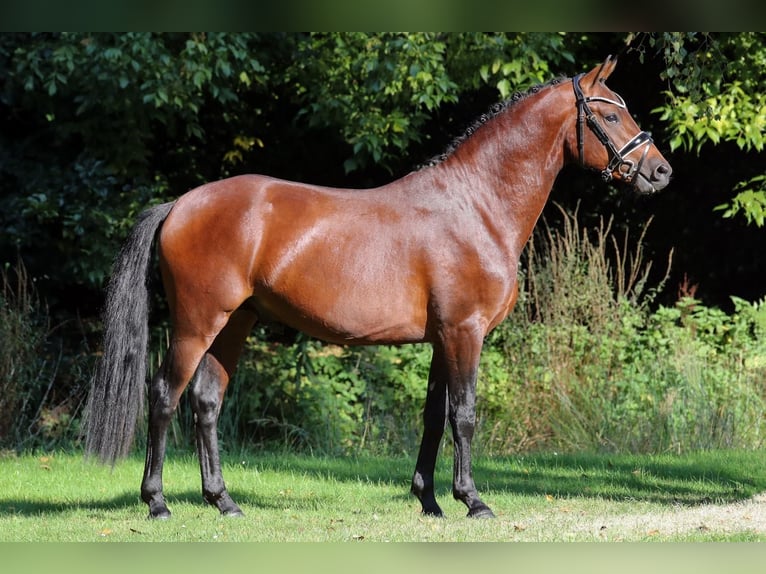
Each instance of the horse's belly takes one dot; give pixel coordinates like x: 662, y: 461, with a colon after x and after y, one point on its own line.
x: 345, y: 315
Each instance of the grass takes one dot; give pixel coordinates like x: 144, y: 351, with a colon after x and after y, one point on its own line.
x: 61, y: 497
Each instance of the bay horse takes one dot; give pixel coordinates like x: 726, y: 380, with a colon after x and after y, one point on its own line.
x: 431, y: 257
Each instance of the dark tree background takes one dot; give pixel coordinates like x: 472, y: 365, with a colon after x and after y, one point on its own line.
x: 94, y: 127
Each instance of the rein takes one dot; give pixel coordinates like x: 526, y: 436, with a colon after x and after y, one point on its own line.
x: 618, y: 157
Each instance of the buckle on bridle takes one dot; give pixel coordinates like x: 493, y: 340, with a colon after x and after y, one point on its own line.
x: 619, y: 161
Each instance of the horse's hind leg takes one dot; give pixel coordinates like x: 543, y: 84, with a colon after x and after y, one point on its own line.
x: 206, y: 394
x: 176, y: 371
x: 207, y: 390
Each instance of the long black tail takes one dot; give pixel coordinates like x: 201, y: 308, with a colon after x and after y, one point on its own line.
x: 116, y: 398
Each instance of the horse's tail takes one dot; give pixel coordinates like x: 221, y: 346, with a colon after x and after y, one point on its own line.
x: 116, y: 397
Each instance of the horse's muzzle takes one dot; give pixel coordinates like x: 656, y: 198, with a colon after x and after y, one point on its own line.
x: 656, y: 180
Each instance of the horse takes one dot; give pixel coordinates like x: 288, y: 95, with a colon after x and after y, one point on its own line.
x: 431, y: 257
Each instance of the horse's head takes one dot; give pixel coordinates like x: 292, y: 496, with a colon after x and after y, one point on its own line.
x: 613, y: 142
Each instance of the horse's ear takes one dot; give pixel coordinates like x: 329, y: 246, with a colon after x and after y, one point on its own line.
x: 600, y: 73
x: 607, y: 68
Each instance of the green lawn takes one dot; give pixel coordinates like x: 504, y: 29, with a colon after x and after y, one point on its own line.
x: 705, y: 496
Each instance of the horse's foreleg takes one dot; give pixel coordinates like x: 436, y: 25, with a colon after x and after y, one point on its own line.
x: 462, y: 353
x: 434, y: 420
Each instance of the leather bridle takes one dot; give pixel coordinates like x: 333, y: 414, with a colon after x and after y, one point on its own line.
x: 618, y: 157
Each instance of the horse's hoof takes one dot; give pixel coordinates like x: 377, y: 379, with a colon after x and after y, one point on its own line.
x: 225, y: 505
x: 162, y: 514
x: 233, y: 512
x: 481, y: 512
x: 433, y: 513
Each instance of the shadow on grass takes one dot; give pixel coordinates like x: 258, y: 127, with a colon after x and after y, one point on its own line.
x: 97, y: 507
x: 41, y: 507
x: 689, y: 480
x: 131, y: 500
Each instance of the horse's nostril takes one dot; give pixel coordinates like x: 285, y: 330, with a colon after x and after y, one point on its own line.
x: 662, y: 171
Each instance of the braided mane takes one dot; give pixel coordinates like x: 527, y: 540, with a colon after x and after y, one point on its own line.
x: 494, y: 111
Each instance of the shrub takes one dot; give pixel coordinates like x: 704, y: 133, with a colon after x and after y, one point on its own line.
x: 27, y: 372
x: 330, y: 398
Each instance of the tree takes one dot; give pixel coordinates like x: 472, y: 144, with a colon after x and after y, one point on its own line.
x: 94, y: 127
x: 717, y: 93
x: 380, y: 89
x: 86, y: 119
x: 98, y: 126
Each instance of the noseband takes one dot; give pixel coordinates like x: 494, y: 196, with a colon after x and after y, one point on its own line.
x: 618, y: 157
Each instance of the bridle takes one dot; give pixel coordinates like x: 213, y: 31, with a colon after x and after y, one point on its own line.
x: 618, y: 157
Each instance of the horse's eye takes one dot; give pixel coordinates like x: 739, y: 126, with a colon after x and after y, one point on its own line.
x: 612, y: 118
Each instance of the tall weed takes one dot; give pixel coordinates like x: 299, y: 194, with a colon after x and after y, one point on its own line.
x: 27, y: 370
x: 590, y: 366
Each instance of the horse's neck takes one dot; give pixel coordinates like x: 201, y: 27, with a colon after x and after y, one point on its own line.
x: 509, y: 166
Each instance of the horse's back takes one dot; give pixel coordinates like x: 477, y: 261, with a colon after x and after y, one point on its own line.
x: 342, y: 265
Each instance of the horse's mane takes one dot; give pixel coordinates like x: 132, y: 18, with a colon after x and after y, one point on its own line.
x: 494, y: 111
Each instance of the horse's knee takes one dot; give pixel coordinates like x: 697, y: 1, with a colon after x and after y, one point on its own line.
x: 205, y: 404
x: 205, y: 396
x: 162, y: 404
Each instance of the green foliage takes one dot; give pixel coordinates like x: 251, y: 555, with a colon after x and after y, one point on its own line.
x: 532, y: 60
x: 380, y: 89
x: 98, y: 126
x: 91, y: 117
x: 326, y: 398
x: 749, y: 200
x: 717, y: 93
x: 134, y: 81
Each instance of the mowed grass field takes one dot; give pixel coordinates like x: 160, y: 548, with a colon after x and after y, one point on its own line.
x: 710, y: 496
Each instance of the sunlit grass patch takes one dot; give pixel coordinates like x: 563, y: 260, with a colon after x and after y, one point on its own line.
x: 545, y: 497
